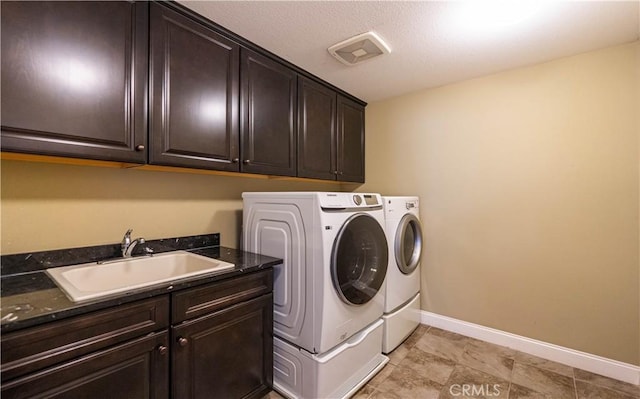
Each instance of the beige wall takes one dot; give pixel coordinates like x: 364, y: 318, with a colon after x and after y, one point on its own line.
x: 50, y: 206
x: 529, y: 189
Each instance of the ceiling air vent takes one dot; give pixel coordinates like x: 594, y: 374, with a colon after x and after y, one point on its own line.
x: 359, y: 48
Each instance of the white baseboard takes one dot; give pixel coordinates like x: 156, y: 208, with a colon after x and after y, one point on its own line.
x: 571, y: 357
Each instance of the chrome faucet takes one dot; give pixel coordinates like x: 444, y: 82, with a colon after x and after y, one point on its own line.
x: 128, y: 245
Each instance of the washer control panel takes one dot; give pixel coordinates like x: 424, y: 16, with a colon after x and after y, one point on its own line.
x: 349, y: 200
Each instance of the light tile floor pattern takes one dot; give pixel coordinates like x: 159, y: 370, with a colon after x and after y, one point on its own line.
x: 433, y: 363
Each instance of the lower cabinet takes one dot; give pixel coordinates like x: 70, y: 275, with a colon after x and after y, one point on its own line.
x: 136, y: 369
x: 228, y: 354
x: 209, y: 341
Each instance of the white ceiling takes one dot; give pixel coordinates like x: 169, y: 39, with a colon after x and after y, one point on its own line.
x: 432, y: 43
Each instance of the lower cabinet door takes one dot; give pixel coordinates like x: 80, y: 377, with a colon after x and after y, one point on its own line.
x: 135, y: 369
x: 227, y: 354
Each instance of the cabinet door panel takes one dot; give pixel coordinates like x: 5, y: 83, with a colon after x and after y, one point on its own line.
x: 136, y: 369
x: 194, y: 97
x: 228, y: 354
x: 350, y: 140
x: 74, y: 78
x: 267, y: 116
x: 316, y: 130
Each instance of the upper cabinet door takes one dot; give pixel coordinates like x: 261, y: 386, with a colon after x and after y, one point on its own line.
x: 316, y: 130
x: 193, y: 94
x: 268, y: 105
x: 350, y: 141
x: 74, y: 79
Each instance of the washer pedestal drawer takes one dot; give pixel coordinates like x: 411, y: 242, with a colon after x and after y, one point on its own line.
x: 399, y: 324
x: 337, y: 373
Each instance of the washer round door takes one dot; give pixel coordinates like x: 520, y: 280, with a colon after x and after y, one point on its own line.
x: 359, y: 259
x: 408, y: 243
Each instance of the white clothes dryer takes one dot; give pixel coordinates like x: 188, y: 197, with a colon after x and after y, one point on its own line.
x: 402, y: 299
x: 329, y: 291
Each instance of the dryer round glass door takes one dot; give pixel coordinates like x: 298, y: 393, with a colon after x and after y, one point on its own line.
x: 359, y: 259
x: 408, y: 243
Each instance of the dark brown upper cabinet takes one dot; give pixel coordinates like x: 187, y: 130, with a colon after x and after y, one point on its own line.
x: 316, y: 130
x: 350, y: 141
x: 146, y: 82
x: 268, y: 105
x: 193, y: 97
x: 330, y: 134
x: 74, y: 79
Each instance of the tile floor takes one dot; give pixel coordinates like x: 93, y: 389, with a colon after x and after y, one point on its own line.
x: 434, y: 363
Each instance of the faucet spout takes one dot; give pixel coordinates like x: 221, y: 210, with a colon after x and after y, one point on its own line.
x: 127, y: 253
x: 128, y: 245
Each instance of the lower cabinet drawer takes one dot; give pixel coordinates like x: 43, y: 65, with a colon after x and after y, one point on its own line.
x: 136, y: 369
x: 199, y: 301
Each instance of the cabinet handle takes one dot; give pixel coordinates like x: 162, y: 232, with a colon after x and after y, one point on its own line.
x: 182, y: 341
x: 246, y: 161
x: 235, y: 160
x: 162, y: 349
x: 335, y: 172
x: 139, y: 147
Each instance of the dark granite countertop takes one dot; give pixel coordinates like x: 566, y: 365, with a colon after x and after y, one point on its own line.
x: 29, y: 297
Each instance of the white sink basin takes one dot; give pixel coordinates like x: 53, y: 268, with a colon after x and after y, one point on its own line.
x: 94, y: 280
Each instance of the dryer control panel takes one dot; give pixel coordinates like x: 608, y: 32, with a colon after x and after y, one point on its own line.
x: 350, y: 200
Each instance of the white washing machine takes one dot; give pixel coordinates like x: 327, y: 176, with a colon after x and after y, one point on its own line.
x: 329, y: 291
x: 402, y: 300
